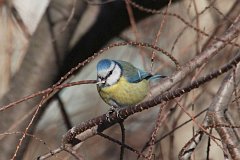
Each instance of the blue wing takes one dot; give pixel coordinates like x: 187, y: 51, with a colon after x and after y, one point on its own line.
x: 133, y: 74
x: 157, y: 76
x: 138, y: 76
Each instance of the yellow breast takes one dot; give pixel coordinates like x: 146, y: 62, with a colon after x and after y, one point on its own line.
x: 124, y: 93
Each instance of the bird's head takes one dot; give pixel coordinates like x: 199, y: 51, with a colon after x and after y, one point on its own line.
x: 108, y: 72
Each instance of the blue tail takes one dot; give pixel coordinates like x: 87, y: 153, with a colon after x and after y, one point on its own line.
x: 157, y: 76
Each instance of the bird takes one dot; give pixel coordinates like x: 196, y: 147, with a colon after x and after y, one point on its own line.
x: 120, y: 84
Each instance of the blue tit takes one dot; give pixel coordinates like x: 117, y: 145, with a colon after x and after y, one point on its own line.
x: 120, y: 84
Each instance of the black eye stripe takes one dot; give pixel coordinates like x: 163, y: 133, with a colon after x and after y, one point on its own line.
x: 111, y: 71
x: 100, y: 77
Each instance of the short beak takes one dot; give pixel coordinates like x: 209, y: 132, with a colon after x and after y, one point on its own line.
x: 101, y: 82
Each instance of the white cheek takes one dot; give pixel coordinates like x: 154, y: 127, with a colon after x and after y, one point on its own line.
x: 115, y: 76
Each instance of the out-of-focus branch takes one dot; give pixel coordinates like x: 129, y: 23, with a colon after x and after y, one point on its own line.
x: 233, y: 12
x: 38, y: 70
x: 216, y: 115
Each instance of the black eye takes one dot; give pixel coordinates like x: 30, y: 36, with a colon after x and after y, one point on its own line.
x: 110, y: 72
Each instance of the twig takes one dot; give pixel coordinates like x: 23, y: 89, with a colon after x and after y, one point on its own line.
x: 51, y: 153
x: 209, y: 145
x: 123, y: 140
x: 51, y: 89
x: 118, y: 142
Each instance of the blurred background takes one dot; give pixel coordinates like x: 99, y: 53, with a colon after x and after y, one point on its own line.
x: 40, y: 41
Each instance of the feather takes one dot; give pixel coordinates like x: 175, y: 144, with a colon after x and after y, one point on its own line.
x: 133, y: 74
x: 157, y: 76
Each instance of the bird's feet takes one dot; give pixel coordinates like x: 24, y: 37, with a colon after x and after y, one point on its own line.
x: 111, y: 111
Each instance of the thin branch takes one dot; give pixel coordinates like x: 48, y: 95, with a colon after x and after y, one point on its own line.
x: 125, y: 145
x: 158, y: 123
x: 48, y: 90
x: 159, y: 33
x: 123, y: 140
x: 209, y: 145
x: 50, y: 154
x: 73, y: 152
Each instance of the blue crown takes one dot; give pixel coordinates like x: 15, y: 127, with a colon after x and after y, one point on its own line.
x: 104, y: 64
